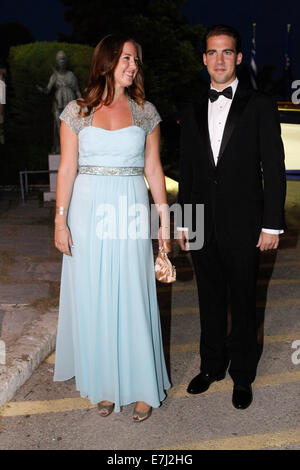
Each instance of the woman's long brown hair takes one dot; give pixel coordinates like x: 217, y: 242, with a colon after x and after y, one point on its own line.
x: 104, y: 61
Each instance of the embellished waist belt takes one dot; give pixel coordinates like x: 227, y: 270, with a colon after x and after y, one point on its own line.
x: 111, y: 171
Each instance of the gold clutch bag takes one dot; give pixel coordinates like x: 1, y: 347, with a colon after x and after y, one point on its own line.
x: 164, y: 270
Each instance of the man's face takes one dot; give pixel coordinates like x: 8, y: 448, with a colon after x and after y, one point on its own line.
x: 221, y: 60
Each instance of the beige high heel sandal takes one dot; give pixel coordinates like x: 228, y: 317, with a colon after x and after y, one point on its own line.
x: 105, y: 410
x: 139, y: 416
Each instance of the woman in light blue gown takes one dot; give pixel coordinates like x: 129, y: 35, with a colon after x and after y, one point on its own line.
x: 109, y: 333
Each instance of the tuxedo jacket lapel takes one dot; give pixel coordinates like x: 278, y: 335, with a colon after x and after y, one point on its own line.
x: 238, y: 105
x: 201, y: 111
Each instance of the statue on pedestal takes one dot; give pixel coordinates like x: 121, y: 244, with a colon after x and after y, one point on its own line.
x: 66, y: 89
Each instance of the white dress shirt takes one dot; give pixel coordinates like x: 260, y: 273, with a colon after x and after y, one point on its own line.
x: 217, y: 116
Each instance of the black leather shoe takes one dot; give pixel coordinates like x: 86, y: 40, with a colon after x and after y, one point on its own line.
x: 242, y: 396
x: 202, y: 381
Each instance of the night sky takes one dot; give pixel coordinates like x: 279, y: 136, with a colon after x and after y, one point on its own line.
x: 45, y: 18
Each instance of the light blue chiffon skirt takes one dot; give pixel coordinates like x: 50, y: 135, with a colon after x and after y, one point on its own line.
x: 109, y: 333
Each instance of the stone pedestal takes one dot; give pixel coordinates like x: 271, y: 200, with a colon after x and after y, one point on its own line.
x: 53, y: 164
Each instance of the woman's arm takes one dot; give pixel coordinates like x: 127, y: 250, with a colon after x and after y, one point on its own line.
x: 65, y: 179
x: 156, y: 179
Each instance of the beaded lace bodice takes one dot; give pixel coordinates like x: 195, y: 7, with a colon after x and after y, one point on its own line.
x: 124, y: 147
x: 145, y: 117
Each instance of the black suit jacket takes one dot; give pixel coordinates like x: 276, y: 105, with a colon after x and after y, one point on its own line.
x: 245, y: 191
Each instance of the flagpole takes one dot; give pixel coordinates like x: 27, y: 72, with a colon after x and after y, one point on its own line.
x: 287, y: 63
x: 253, y: 67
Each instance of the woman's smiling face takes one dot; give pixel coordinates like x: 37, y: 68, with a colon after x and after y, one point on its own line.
x: 127, y: 66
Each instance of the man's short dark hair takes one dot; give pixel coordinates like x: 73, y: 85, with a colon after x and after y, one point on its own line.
x: 219, y: 29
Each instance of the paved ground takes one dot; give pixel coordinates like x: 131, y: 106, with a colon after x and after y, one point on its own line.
x: 41, y: 414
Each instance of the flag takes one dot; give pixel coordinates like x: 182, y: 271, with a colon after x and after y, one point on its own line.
x: 287, y: 65
x: 253, y: 67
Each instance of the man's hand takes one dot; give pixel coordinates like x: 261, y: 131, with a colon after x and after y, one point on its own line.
x: 267, y: 241
x: 183, y: 240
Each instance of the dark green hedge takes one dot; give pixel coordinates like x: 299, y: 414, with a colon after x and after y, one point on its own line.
x: 29, y: 119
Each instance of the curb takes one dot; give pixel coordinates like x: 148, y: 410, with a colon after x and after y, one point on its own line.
x: 27, y: 354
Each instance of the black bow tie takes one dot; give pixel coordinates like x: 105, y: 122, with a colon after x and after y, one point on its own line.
x: 214, y: 94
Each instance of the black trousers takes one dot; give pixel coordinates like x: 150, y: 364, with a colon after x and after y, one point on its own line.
x: 226, y: 279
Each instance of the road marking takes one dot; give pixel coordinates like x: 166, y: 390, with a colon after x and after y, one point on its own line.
x: 277, y: 264
x: 259, y: 304
x: 50, y: 359
x: 193, y: 286
x: 278, y: 303
x: 276, y: 282
x: 281, y: 338
x: 188, y: 347
x: 179, y: 391
x: 268, y: 339
x: 246, y: 442
x: 23, y: 408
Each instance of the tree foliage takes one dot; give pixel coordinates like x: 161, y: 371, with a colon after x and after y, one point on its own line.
x: 12, y: 34
x: 171, y: 56
x: 170, y: 44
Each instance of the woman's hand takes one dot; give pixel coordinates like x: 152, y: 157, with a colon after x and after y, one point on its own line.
x: 164, y: 239
x: 63, y: 240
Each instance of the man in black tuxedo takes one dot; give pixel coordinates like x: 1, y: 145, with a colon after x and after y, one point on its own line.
x: 232, y: 162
